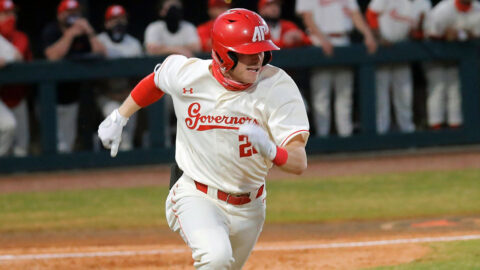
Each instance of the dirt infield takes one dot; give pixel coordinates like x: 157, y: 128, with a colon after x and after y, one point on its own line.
x: 281, y: 246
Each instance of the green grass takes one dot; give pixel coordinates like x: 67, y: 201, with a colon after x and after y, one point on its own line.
x: 462, y: 255
x: 389, y: 196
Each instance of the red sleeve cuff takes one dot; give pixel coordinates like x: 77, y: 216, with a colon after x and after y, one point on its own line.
x: 372, y: 18
x: 146, y: 92
x: 281, y: 157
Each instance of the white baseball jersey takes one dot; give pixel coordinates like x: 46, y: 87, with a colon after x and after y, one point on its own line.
x: 208, y: 147
x: 128, y: 47
x: 398, y: 17
x: 446, y: 15
x: 7, y: 50
x: 157, y: 33
x: 330, y: 16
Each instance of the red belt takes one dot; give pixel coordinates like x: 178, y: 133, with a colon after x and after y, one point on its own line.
x: 235, y: 199
x: 336, y: 35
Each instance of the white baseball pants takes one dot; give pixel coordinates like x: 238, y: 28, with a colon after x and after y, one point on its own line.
x: 444, y: 97
x: 107, y: 106
x: 220, y: 235
x: 22, y: 133
x: 66, y: 127
x: 7, y: 129
x: 322, y: 81
x: 399, y: 77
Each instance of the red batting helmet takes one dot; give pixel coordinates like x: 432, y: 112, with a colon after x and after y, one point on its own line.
x: 240, y: 31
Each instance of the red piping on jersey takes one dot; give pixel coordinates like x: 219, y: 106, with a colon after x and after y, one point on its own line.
x: 226, y: 82
x: 146, y: 92
x: 288, y: 137
x: 372, y: 18
x: 462, y: 7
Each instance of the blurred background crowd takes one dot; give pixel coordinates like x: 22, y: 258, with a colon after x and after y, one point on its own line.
x: 410, y: 96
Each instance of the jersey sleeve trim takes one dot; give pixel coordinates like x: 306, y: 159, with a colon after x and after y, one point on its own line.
x: 289, y: 137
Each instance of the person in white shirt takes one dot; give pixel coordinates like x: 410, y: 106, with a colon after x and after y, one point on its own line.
x: 172, y: 35
x: 8, y: 54
x: 449, y: 20
x: 329, y: 23
x: 395, y: 21
x: 237, y: 116
x: 119, y: 44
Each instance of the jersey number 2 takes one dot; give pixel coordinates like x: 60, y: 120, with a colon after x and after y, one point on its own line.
x: 246, y: 148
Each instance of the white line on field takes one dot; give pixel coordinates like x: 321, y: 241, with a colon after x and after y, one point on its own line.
x: 11, y: 257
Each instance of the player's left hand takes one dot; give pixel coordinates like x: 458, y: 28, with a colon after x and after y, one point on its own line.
x: 110, y: 131
x: 259, y: 140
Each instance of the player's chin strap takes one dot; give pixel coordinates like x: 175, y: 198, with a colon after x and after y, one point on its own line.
x: 226, y: 82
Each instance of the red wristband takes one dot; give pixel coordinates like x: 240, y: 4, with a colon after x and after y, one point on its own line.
x: 146, y: 92
x: 281, y: 157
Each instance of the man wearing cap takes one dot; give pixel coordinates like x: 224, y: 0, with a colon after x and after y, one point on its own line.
x: 14, y: 106
x: 71, y: 36
x: 215, y: 8
x: 118, y: 44
x: 285, y: 34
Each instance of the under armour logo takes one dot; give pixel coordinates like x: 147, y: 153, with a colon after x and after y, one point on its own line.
x: 259, y: 33
x: 185, y: 90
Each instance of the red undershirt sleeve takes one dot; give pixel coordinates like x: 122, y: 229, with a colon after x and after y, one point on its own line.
x: 372, y: 19
x: 146, y: 92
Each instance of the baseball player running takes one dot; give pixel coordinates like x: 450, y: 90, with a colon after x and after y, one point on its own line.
x: 237, y: 116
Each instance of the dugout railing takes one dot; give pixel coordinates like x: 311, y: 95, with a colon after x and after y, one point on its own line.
x: 46, y: 75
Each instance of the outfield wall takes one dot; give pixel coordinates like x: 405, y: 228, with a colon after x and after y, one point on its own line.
x: 45, y: 75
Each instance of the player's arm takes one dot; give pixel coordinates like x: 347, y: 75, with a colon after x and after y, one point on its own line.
x: 362, y: 26
x: 292, y: 158
x: 297, y: 156
x: 312, y: 28
x: 144, y: 94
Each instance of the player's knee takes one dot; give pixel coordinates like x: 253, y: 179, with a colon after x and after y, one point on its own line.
x: 8, y: 124
x: 217, y: 258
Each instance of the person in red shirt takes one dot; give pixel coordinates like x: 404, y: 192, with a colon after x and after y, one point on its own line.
x: 14, y: 96
x: 215, y: 8
x: 285, y: 34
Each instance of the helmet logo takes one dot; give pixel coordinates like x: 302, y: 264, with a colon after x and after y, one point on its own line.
x: 259, y: 33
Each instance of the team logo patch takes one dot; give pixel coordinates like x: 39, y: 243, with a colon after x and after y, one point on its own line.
x: 259, y: 33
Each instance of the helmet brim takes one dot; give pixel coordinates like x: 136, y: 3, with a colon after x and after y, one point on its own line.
x: 257, y: 47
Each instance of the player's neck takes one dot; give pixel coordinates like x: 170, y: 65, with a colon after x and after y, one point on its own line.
x: 226, y: 82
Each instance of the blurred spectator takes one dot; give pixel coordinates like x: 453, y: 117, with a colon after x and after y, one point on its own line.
x: 449, y: 20
x: 215, y: 8
x: 172, y: 35
x: 13, y: 96
x: 8, y: 54
x: 118, y: 44
x: 285, y: 34
x: 71, y: 36
x: 329, y: 24
x: 395, y: 21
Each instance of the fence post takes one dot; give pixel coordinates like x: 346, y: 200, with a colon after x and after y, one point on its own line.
x: 48, y: 119
x: 367, y: 103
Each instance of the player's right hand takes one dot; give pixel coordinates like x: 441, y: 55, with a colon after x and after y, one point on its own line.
x: 110, y: 131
